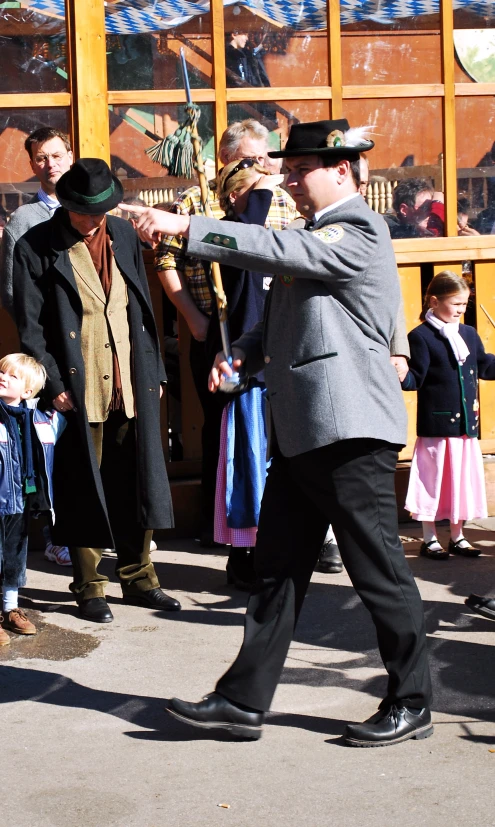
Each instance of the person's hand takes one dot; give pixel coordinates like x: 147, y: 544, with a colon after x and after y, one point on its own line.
x: 221, y: 367
x: 268, y: 182
x: 151, y: 224
x: 63, y: 402
x: 466, y: 230
x: 401, y: 366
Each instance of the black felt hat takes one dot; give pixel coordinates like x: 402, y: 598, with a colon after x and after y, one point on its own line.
x: 89, y: 187
x: 325, y: 138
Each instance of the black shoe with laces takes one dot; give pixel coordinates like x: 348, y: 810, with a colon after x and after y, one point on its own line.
x: 217, y: 712
x: 390, y: 726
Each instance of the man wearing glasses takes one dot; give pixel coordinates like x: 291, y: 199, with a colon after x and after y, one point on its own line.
x: 50, y: 156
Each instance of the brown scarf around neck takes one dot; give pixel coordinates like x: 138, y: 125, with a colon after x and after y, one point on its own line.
x: 100, y: 250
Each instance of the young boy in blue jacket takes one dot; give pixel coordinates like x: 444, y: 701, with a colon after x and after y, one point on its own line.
x: 27, y: 441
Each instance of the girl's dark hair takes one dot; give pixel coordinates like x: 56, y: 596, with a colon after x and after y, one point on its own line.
x: 442, y: 285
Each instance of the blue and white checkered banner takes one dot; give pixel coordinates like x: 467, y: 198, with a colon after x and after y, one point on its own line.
x: 137, y: 16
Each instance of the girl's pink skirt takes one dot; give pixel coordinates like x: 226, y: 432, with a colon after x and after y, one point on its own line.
x: 447, y: 481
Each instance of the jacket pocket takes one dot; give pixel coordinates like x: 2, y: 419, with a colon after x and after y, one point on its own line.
x: 313, y: 359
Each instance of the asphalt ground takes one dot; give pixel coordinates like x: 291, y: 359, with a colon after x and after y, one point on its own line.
x: 86, y: 742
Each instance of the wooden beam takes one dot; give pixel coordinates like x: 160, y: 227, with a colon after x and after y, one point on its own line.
x: 159, y: 96
x: 279, y: 93
x: 334, y: 56
x: 410, y: 281
x: 219, y: 72
x: 474, y: 88
x: 449, y: 136
x: 394, y: 90
x: 29, y: 100
x: 91, y: 134
x: 485, y: 315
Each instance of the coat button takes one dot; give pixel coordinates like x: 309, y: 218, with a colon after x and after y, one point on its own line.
x: 106, y: 376
x: 226, y: 242
x: 471, y: 371
x: 452, y: 420
x: 152, y: 389
x: 72, y: 334
x: 457, y: 416
x: 72, y: 371
x: 267, y: 360
x: 216, y: 239
x: 107, y: 344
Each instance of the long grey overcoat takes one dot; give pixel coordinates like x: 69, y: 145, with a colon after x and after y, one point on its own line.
x: 325, y: 338
x: 48, y: 313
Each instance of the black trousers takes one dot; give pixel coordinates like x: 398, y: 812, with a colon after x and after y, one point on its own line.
x: 212, y: 405
x: 351, y: 485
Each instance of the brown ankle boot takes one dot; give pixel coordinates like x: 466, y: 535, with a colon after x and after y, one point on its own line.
x: 4, y: 638
x: 17, y: 621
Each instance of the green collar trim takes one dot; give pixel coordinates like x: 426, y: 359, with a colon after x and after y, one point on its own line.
x: 91, y: 199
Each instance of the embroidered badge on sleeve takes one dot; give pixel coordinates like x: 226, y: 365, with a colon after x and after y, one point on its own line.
x: 330, y: 234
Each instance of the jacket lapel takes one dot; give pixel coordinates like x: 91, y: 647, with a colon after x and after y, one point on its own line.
x: 121, y: 251
x: 81, y: 262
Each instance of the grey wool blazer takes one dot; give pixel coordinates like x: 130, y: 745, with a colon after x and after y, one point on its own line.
x: 19, y: 223
x: 324, y: 342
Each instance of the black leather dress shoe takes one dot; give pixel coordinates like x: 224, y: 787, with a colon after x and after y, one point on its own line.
x: 389, y: 727
x: 482, y: 605
x: 216, y: 712
x: 95, y: 609
x: 330, y: 561
x: 154, y: 599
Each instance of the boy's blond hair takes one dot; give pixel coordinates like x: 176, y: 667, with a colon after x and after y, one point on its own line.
x: 27, y: 368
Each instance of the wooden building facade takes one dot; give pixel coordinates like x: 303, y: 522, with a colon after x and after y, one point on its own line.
x: 108, y: 73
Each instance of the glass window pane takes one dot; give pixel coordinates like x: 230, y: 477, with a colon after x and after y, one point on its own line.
x: 287, y: 113
x: 17, y: 182
x: 476, y: 165
x: 143, y: 43
x: 134, y: 129
x: 381, y: 45
x: 32, y: 48
x: 404, y: 155
x: 276, y: 47
x: 474, y: 41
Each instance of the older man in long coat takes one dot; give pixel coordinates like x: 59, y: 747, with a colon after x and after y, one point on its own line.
x: 83, y: 309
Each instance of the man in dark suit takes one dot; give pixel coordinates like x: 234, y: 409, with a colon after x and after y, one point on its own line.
x: 338, y: 421
x: 83, y: 309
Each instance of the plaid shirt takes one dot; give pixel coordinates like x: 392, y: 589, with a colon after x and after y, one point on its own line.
x: 171, y: 253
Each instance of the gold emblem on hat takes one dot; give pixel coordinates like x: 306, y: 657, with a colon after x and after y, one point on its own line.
x: 335, y: 138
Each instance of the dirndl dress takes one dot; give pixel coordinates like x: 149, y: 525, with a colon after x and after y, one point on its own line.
x: 447, y: 480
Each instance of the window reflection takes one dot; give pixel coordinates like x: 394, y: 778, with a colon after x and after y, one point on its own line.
x: 32, y: 50
x: 133, y: 130
x: 384, y: 44
x: 476, y: 163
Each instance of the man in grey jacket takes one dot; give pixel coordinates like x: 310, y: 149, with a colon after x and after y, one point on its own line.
x: 338, y: 421
x: 50, y: 156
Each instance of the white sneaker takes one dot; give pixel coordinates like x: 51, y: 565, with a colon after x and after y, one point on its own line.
x: 58, y: 554
x: 153, y: 546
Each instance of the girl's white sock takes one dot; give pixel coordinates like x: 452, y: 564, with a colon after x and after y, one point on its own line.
x: 430, y: 536
x: 10, y: 599
x: 457, y: 534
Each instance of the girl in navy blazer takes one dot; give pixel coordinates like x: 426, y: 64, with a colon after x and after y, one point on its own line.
x: 447, y: 478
